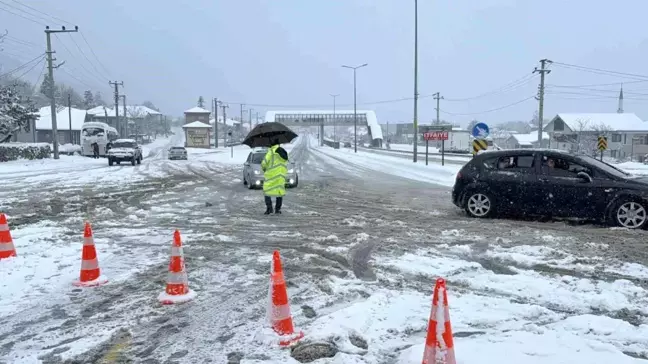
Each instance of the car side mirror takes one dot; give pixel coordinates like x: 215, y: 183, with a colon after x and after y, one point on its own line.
x: 584, y: 177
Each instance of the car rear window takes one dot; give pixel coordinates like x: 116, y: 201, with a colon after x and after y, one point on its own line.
x: 257, y: 158
x: 177, y: 148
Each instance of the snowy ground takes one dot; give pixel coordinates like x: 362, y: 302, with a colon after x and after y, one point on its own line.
x: 362, y: 238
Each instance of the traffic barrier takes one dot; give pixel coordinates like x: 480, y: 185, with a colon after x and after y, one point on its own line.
x: 177, y: 286
x: 279, y: 315
x: 439, y: 345
x: 90, y: 275
x: 7, y: 249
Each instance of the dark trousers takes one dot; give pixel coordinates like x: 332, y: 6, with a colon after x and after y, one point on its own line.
x: 268, y: 202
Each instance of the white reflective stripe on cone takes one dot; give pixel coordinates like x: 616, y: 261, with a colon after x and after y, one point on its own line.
x: 446, y: 313
x: 89, y: 264
x: 278, y: 278
x: 6, y: 247
x: 177, y: 278
x: 88, y: 241
x: 4, y: 227
x: 176, y: 251
x: 280, y: 313
x: 432, y: 353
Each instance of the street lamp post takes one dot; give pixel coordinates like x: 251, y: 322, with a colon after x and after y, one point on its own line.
x: 415, y: 80
x: 355, y: 111
x: 334, y: 119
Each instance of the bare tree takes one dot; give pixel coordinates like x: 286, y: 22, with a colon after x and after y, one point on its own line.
x: 587, y: 135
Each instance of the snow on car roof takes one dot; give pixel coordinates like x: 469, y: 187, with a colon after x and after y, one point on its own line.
x: 125, y: 141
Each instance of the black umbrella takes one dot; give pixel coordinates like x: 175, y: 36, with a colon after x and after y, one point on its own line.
x: 263, y: 135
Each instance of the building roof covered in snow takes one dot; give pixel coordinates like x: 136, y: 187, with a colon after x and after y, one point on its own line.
x: 197, y: 110
x: 372, y: 120
x: 44, y: 122
x: 132, y: 111
x: 229, y: 122
x: 197, y: 124
x: 529, y: 139
x: 596, y: 122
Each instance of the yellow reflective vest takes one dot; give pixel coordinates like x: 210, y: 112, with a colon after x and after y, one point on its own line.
x: 275, y: 170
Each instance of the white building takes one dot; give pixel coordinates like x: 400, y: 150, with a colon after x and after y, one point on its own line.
x: 530, y: 140
x: 627, y: 134
x: 68, y: 129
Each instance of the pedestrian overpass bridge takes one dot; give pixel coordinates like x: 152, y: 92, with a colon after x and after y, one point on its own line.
x: 322, y: 118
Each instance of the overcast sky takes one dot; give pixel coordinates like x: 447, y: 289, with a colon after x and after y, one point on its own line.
x: 273, y: 53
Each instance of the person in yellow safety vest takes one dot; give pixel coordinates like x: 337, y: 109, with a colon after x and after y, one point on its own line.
x: 274, y: 166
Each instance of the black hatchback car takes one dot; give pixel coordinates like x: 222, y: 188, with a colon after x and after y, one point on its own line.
x: 551, y: 183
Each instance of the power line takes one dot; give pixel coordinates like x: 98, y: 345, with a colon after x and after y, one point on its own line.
x: 491, y: 110
x: 600, y: 84
x: 38, y: 11
x: 22, y: 16
x: 42, y: 73
x: 80, y: 63
x: 31, y: 68
x: 79, y: 80
x: 94, y: 54
x: 508, y: 87
x: 602, y: 71
x: 22, y: 66
x: 88, y: 59
x: 20, y: 41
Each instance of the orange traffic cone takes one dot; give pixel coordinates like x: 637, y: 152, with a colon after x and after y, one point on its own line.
x: 7, y: 249
x: 439, y: 346
x: 280, y: 316
x: 90, y: 273
x: 177, y: 288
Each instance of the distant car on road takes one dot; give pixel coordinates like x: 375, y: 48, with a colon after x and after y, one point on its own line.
x: 125, y: 150
x: 253, y: 175
x: 177, y: 153
x: 551, y: 183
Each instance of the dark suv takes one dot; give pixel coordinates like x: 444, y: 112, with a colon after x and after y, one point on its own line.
x: 551, y: 183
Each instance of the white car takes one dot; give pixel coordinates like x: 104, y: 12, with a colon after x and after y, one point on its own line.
x: 123, y: 150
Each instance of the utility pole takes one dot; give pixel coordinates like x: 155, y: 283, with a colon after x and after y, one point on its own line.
x: 415, y: 80
x: 257, y: 119
x: 124, y: 129
x: 437, y: 97
x: 250, y: 117
x: 334, y: 118
x: 117, y: 84
x: 242, y: 114
x: 224, y: 107
x: 215, y: 110
x: 540, y: 97
x: 70, y: 117
x: 50, y: 75
x: 355, y: 110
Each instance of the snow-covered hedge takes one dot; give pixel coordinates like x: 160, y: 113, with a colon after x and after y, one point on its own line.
x: 14, y: 151
x: 69, y: 149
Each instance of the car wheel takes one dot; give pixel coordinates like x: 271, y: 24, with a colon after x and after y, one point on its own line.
x: 629, y: 213
x: 244, y: 180
x: 110, y: 161
x: 250, y: 185
x: 296, y: 181
x: 479, y: 204
x: 139, y: 160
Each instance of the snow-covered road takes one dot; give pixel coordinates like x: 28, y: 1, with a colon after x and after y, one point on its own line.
x: 361, y: 246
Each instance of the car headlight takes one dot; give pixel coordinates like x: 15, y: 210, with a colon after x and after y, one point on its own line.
x: 256, y: 172
x: 291, y: 170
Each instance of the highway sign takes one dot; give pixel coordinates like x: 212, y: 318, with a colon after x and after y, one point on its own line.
x: 602, y: 143
x: 435, y: 135
x: 480, y: 130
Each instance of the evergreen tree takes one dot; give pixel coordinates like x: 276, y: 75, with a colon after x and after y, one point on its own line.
x: 99, y: 101
x: 88, y: 100
x: 16, y: 113
x: 201, y: 102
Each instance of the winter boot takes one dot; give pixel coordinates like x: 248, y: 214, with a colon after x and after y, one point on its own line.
x: 268, y: 202
x: 278, y: 205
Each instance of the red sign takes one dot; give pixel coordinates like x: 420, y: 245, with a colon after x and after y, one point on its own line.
x: 435, y: 135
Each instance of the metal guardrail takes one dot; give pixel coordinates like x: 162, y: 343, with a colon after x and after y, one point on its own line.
x: 420, y: 152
